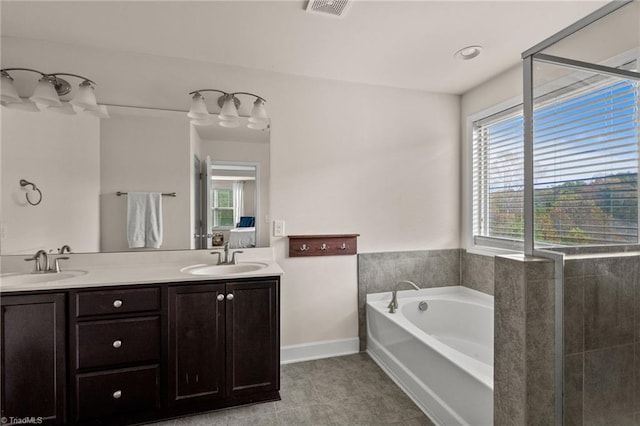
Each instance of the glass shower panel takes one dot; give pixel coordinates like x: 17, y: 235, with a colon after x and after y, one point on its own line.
x: 585, y: 158
x: 613, y: 40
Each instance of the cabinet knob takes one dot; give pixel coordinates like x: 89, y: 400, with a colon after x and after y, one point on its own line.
x: 220, y: 297
x: 117, y: 394
x: 117, y: 343
x: 230, y: 296
x: 117, y: 303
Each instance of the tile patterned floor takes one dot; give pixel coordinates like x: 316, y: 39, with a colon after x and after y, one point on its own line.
x: 343, y: 391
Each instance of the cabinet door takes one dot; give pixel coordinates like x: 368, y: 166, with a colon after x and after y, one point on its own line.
x: 32, y: 348
x: 196, y: 342
x: 253, y: 337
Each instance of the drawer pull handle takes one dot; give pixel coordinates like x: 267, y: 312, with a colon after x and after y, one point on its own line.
x: 117, y: 303
x: 220, y: 297
x: 117, y: 343
x: 117, y: 394
x: 230, y: 296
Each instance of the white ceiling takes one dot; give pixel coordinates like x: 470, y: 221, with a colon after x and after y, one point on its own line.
x: 405, y: 44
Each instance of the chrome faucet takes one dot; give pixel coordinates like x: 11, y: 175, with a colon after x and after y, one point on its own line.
x: 225, y: 260
x: 43, y: 262
x: 38, y: 266
x: 393, y: 305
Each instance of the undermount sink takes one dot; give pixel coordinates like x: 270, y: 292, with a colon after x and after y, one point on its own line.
x: 16, y: 279
x: 238, y: 268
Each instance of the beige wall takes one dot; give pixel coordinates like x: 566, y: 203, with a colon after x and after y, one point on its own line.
x: 60, y: 154
x: 345, y: 158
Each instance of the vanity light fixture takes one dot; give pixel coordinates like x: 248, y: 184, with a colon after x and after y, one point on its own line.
x: 467, y: 53
x: 228, y: 115
x: 47, y: 93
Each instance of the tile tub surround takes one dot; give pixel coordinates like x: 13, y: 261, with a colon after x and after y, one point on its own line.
x: 348, y: 390
x: 602, y: 338
x: 524, y: 341
x: 477, y: 272
x: 380, y: 272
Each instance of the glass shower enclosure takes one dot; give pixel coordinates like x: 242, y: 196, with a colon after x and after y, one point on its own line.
x: 581, y: 138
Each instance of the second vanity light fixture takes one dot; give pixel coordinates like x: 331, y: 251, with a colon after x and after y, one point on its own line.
x: 47, y: 94
x: 229, y: 104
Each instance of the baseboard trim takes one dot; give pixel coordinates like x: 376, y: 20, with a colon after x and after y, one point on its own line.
x: 318, y: 350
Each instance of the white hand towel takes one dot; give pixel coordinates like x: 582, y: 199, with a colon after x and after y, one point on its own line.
x: 144, y: 219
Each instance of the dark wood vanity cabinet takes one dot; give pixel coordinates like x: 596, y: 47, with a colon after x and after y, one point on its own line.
x: 196, y: 343
x: 33, y: 353
x: 133, y: 354
x: 116, y: 353
x: 253, y: 337
x: 224, y: 342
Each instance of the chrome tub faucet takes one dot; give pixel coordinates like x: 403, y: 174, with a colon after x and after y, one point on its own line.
x: 393, y: 305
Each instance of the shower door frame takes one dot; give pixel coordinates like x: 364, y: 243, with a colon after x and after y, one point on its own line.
x: 530, y: 56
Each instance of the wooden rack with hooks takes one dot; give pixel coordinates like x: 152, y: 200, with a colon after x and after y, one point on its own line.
x: 323, y: 245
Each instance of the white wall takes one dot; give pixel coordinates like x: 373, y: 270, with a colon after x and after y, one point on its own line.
x: 60, y: 154
x: 345, y: 158
x: 143, y: 153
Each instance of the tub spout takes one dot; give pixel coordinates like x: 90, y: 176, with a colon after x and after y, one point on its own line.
x: 393, y: 305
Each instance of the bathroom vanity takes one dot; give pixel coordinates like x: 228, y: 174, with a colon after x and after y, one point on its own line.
x: 124, y: 353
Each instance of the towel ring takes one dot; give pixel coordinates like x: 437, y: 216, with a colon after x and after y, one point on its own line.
x: 24, y: 183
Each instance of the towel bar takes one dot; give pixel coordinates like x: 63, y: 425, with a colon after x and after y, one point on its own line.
x: 165, y: 194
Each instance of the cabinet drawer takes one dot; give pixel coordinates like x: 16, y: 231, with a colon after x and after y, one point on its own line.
x: 117, y: 301
x: 101, y: 343
x: 117, y: 392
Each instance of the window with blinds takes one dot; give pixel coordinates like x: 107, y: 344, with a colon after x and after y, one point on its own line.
x: 586, y: 164
x: 498, y: 182
x: 585, y: 167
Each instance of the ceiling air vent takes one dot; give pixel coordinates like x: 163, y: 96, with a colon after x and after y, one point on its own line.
x: 336, y: 8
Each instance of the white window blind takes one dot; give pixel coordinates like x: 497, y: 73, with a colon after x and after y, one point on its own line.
x: 586, y: 164
x: 498, y: 163
x: 585, y: 167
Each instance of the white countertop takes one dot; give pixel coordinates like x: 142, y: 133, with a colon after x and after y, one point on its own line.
x: 95, y: 275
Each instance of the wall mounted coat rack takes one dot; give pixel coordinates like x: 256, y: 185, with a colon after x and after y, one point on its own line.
x: 323, y: 245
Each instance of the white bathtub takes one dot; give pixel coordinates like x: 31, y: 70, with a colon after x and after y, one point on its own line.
x: 442, y: 357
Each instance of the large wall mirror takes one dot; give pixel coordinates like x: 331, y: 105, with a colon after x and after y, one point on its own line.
x: 80, y: 163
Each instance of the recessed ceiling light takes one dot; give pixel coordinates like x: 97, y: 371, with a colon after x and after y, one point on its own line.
x: 468, y: 52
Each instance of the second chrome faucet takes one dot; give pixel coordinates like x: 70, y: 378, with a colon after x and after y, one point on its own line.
x: 226, y: 260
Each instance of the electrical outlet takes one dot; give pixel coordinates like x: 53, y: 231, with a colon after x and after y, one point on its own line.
x: 278, y: 228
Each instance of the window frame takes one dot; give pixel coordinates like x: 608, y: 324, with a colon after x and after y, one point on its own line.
x: 496, y: 245
x: 216, y: 208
